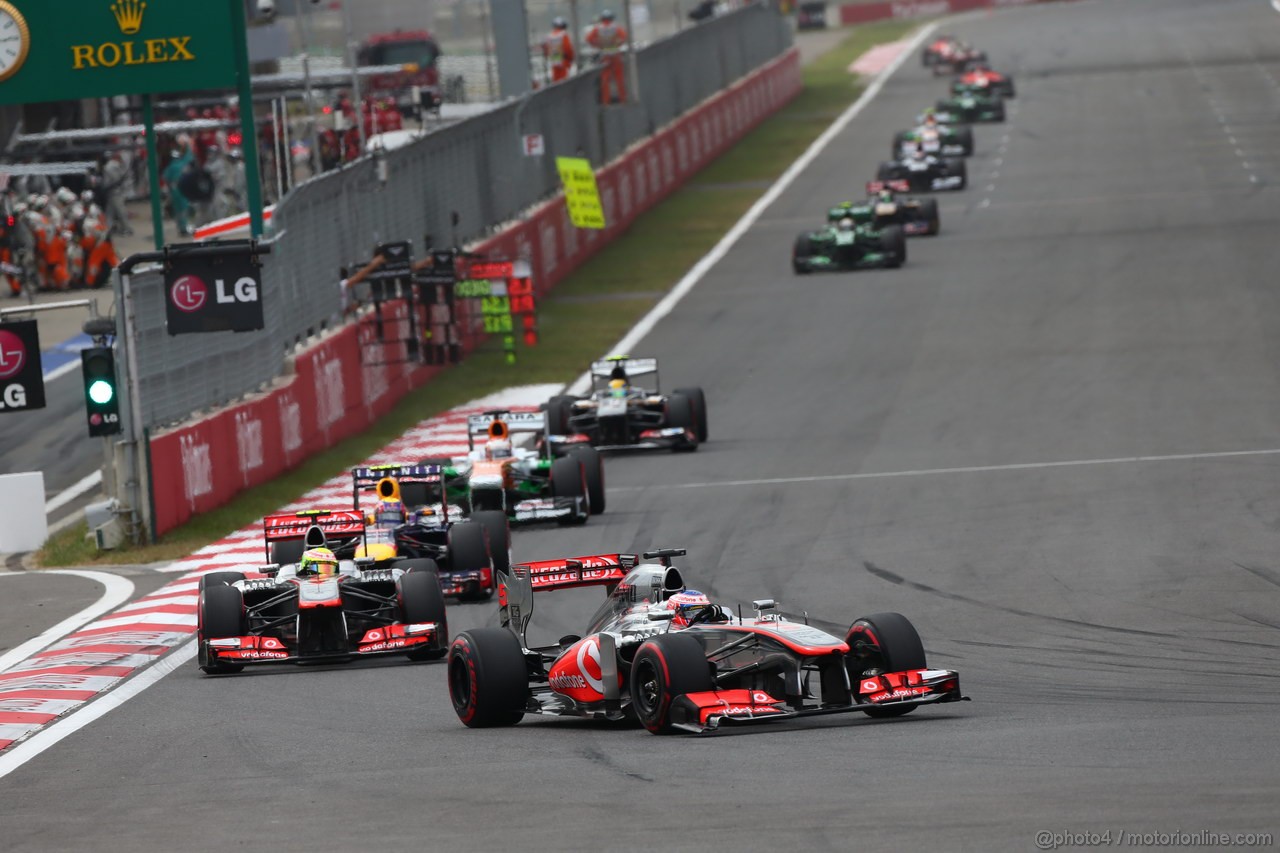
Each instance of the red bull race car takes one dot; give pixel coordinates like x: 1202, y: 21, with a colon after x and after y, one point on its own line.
x: 663, y: 654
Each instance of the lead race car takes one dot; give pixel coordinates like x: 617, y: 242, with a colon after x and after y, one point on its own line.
x: 666, y: 656
x: 320, y: 609
x: 626, y: 410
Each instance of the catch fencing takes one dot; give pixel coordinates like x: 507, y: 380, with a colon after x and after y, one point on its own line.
x: 475, y: 169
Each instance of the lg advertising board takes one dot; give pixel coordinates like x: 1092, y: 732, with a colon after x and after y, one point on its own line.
x: 214, y: 293
x: 21, y: 373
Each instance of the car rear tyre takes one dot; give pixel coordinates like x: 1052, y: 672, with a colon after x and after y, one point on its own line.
x: 886, y: 172
x: 964, y: 136
x: 569, y: 480
x: 680, y: 414
x: 893, y: 242
x: 221, y: 614
x: 699, y: 401
x: 898, y: 138
x: 929, y: 212
x: 957, y: 166
x: 219, y: 579
x: 469, y: 552
x: 593, y: 471
x: 883, y: 642
x: 665, y: 667
x: 558, y: 411
x: 422, y: 601
x: 497, y: 531
x: 488, y: 678
x: 800, y: 254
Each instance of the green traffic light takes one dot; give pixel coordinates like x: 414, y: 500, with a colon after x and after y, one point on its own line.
x: 101, y: 391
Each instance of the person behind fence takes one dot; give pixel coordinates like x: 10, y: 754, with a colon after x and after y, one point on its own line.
x: 182, y: 157
x: 115, y: 191
x: 557, y: 48
x: 609, y: 40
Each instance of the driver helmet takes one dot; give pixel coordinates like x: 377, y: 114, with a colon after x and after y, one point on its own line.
x: 389, y: 514
x: 930, y: 117
x: 687, y: 605
x: 617, y: 387
x: 885, y: 195
x: 559, y: 24
x: 606, y: 15
x: 498, y: 448
x: 318, y: 562
x: 845, y: 224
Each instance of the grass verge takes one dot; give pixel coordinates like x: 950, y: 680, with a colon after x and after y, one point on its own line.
x: 587, y: 313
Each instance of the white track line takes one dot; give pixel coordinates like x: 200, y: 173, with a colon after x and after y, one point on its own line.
x: 971, y: 469
x: 709, y: 260
x: 18, y: 755
x: 69, y: 494
x: 61, y: 370
x: 117, y: 590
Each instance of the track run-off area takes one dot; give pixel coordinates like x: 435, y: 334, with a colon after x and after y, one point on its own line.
x: 1050, y: 440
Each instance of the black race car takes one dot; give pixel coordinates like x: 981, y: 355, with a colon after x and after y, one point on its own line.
x: 925, y: 173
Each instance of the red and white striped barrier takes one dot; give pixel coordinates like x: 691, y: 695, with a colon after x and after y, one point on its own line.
x: 232, y: 226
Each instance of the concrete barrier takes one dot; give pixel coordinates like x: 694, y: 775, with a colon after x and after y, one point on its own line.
x: 23, y: 525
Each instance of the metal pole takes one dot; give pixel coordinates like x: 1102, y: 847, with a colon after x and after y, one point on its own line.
x: 138, y: 465
x: 634, y: 88
x: 574, y: 27
x: 153, y: 170
x: 304, y: 29
x: 488, y: 50
x: 244, y: 85
x: 349, y: 35
x: 275, y: 147
x: 286, y: 144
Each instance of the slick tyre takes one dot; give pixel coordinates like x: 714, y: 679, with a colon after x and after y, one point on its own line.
x: 569, y: 480
x: 488, y: 678
x: 699, y: 401
x: 898, y: 138
x: 497, y: 531
x: 800, y: 254
x: 929, y: 213
x: 219, y: 579
x: 469, y: 552
x: 957, y: 166
x: 964, y: 136
x: 893, y: 241
x: 680, y: 414
x: 883, y: 642
x: 221, y: 614
x: 287, y: 553
x: 593, y: 471
x: 664, y: 668
x: 886, y: 172
x: 558, y: 411
x: 420, y: 600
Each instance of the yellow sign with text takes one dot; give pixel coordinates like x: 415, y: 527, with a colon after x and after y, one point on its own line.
x: 581, y: 196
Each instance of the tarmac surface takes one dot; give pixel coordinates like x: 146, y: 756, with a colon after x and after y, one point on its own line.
x: 1050, y: 440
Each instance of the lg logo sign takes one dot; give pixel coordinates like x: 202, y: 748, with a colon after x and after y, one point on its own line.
x: 189, y: 294
x: 214, y: 289
x: 21, y: 373
x: 13, y: 354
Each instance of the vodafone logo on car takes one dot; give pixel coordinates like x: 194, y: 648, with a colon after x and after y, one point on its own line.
x: 189, y: 294
x: 13, y: 354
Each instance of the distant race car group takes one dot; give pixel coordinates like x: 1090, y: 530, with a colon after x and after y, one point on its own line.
x: 340, y: 583
x: 928, y: 157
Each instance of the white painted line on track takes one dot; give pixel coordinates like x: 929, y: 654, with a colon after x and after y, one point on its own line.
x: 61, y: 370
x: 69, y: 494
x: 718, y: 252
x: 971, y: 469
x: 116, y: 591
x: 28, y: 749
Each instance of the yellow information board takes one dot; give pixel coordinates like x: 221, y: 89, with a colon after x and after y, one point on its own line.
x: 581, y: 195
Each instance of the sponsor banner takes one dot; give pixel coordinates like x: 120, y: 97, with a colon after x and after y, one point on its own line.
x: 332, y: 395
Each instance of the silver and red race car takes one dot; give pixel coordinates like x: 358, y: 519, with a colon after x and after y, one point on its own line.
x: 664, y: 655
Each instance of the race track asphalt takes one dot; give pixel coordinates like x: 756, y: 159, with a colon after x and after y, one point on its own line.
x: 1018, y: 440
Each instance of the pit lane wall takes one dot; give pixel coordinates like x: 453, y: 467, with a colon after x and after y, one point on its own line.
x: 333, y: 394
x: 863, y: 13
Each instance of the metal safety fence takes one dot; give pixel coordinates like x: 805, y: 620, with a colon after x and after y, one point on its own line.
x: 474, y: 172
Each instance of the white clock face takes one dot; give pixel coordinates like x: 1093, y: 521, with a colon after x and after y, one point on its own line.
x: 15, y: 40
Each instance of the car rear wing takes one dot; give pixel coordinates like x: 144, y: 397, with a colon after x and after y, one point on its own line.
x: 297, y: 525
x: 515, y: 590
x: 897, y: 186
x: 368, y: 479
x: 605, y: 369
x: 502, y: 424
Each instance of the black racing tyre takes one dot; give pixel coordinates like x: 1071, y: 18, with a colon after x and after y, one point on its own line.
x: 898, y: 138
x: 957, y: 166
x: 593, y: 470
x: 220, y: 614
x: 288, y: 552
x: 800, y: 254
x: 964, y: 135
x: 558, y: 410
x: 488, y: 678
x: 929, y: 213
x: 883, y: 642
x: 699, y: 401
x: 1009, y: 90
x: 497, y: 531
x: 943, y: 104
x: 469, y: 552
x: 219, y: 579
x: 569, y: 480
x: 999, y: 112
x: 665, y: 667
x: 886, y: 172
x: 680, y: 414
x: 417, y: 564
x: 893, y: 241
x: 422, y: 601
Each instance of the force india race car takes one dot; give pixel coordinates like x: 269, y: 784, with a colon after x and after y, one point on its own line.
x: 525, y: 485
x: 278, y: 614
x: 884, y: 207
x: 924, y: 173
x: 844, y: 246
x: 938, y: 139
x: 664, y: 655
x: 984, y: 79
x: 467, y: 550
x: 623, y: 414
x: 970, y: 106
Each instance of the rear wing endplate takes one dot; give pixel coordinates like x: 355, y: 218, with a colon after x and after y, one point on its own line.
x: 515, y: 590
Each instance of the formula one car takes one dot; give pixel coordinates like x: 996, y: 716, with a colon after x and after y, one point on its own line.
x: 663, y: 654
x: 884, y: 207
x: 845, y: 245
x: 925, y: 172
x: 622, y: 413
x: 524, y: 485
x: 938, y: 139
x: 980, y: 78
x: 336, y: 613
x: 413, y: 519
x: 946, y: 52
x: 970, y: 106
